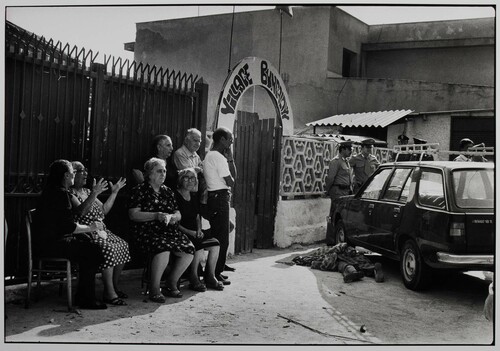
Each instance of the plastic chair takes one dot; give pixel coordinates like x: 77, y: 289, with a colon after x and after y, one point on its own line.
x: 54, y: 267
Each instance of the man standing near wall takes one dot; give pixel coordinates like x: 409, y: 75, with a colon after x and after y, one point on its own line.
x: 364, y: 163
x: 220, y: 174
x: 338, y: 183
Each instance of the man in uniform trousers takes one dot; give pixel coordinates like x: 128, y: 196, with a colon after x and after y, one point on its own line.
x: 338, y: 183
x: 364, y: 163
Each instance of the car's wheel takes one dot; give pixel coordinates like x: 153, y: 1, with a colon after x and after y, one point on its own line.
x: 340, y: 236
x: 416, y: 274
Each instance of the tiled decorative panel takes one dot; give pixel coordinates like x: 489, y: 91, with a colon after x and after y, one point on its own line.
x: 304, y: 164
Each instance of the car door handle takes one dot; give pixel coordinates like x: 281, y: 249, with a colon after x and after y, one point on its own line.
x: 371, y: 206
x: 396, y: 211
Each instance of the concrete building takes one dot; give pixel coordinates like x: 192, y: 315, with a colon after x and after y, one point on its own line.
x: 333, y: 63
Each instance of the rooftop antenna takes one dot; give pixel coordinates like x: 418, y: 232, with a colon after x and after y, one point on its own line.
x: 231, y: 42
x: 289, y: 12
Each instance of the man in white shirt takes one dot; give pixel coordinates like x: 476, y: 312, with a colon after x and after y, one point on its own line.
x: 220, y: 173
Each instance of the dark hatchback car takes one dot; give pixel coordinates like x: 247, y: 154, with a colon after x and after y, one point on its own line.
x: 428, y: 215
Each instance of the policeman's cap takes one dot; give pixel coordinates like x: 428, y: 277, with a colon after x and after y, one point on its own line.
x: 466, y: 141
x: 368, y: 142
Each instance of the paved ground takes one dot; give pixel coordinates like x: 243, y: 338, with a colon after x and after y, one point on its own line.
x: 254, y: 309
x: 268, y: 303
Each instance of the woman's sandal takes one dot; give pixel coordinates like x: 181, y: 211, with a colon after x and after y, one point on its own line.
x: 198, y: 287
x: 173, y: 293
x: 157, y: 298
x: 217, y: 286
x: 115, y: 302
x: 121, y: 294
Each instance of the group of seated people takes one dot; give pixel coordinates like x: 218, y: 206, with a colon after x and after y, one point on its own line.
x: 165, y: 221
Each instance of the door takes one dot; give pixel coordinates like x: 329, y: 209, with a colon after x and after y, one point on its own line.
x: 257, y: 157
x: 387, y: 214
x: 359, y: 219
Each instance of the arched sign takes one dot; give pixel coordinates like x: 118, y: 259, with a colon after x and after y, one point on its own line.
x: 249, y: 72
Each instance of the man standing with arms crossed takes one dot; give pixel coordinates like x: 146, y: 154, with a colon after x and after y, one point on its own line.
x: 338, y: 183
x: 220, y: 174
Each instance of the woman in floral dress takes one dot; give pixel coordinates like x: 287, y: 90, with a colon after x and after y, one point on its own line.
x: 155, y: 220
x: 87, y: 208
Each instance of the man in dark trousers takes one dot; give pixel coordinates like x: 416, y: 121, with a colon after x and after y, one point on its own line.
x: 220, y: 175
x: 338, y: 182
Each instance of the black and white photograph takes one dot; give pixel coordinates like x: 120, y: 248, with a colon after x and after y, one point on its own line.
x: 182, y: 175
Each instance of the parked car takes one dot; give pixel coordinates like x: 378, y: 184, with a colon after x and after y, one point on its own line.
x: 428, y: 215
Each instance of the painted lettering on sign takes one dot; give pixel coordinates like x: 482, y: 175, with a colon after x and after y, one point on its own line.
x: 250, y: 72
x: 240, y: 82
x: 272, y: 82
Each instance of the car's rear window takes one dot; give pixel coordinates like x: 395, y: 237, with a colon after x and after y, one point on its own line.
x: 474, y: 188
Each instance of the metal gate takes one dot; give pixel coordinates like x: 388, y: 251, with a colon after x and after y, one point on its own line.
x: 59, y: 103
x: 257, y: 157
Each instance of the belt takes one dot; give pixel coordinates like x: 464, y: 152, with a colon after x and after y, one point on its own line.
x: 220, y: 191
x: 342, y: 186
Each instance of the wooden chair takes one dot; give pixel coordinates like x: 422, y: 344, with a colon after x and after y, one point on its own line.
x: 58, y: 269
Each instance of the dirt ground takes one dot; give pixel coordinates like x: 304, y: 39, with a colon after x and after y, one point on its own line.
x: 268, y: 303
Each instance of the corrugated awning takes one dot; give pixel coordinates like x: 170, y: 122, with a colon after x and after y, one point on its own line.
x: 357, y: 139
x: 362, y: 119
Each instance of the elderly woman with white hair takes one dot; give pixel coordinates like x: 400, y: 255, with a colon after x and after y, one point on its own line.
x: 190, y: 224
x: 155, y: 220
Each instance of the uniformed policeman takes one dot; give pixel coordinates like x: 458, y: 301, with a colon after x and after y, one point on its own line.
x: 338, y: 182
x: 364, y: 163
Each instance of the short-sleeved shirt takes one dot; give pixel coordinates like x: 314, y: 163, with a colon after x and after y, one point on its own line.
x: 190, y: 210
x: 215, y: 169
x: 339, y: 173
x: 461, y: 158
x: 363, y: 167
x: 183, y: 158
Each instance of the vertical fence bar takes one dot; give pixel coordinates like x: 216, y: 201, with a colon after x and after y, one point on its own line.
x: 96, y: 118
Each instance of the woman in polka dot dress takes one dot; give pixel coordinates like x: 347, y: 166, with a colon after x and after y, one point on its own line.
x: 88, y: 209
x: 155, y: 217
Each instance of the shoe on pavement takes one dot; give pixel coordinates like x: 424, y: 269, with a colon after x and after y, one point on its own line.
x: 229, y: 269
x: 379, y: 274
x: 224, y: 281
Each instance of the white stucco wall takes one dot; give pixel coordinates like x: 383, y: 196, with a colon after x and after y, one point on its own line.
x: 434, y: 129
x: 301, y: 221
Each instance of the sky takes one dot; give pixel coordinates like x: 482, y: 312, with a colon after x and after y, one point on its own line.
x: 107, y: 27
